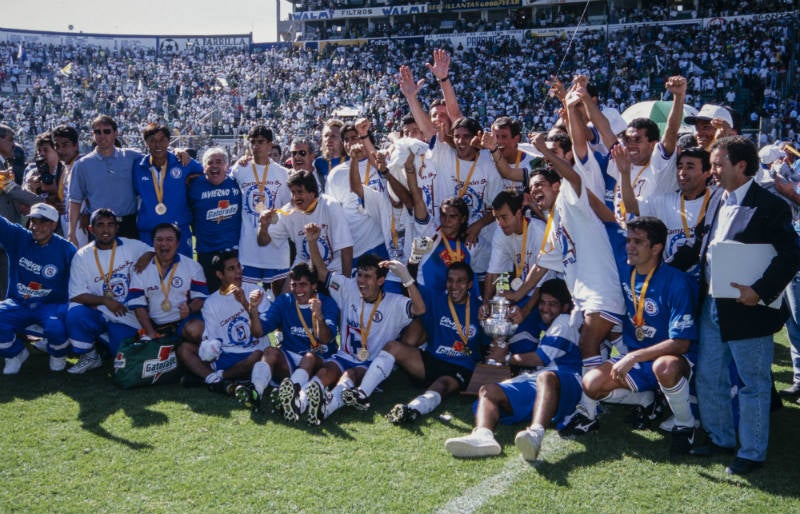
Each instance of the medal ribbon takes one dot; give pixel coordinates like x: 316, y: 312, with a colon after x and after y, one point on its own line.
x: 365, y: 330
x: 169, y: 280
x: 464, y: 335
x: 520, y: 261
x: 638, y: 302
x: 158, y: 183
x: 309, y: 332
x: 106, y: 276
x: 686, y: 229
x: 367, y: 174
x: 463, y: 188
x: 547, y: 228
x: 455, y: 255
x: 262, y: 182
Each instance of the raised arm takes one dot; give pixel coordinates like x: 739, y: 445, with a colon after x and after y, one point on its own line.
x: 441, y: 70
x: 620, y: 155
x: 677, y: 86
x: 562, y: 167
x: 313, y: 232
x: 410, y: 89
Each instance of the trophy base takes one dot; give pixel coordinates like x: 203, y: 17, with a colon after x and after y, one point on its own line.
x: 486, y: 374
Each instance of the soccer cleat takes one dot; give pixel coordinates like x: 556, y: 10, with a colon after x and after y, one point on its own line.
x: 13, y: 364
x: 354, y: 397
x: 275, y: 401
x: 317, y: 400
x: 58, y: 363
x: 682, y: 440
x: 402, y: 413
x: 222, y: 386
x: 289, y: 396
x: 248, y: 397
x: 529, y: 442
x: 473, y: 445
x: 578, y: 424
x: 85, y: 363
x: 643, y: 418
x: 668, y: 424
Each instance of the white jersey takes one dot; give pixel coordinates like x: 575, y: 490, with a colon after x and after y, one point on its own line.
x: 479, y: 191
x: 390, y: 317
x: 335, y: 233
x: 274, y: 256
x: 659, y: 176
x: 85, y: 277
x: 368, y: 218
x: 578, y: 245
x: 679, y: 221
x: 506, y: 250
x: 227, y: 320
x: 188, y: 283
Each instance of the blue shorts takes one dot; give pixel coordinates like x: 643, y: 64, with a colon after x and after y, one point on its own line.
x: 85, y: 325
x: 16, y: 316
x: 255, y: 275
x: 345, y: 364
x: 521, y: 394
x: 228, y: 359
x: 641, y: 376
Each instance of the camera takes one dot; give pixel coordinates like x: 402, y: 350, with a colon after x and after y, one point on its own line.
x: 44, y: 171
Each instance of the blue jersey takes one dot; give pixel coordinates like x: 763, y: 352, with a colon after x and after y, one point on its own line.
x: 36, y: 273
x: 216, y: 214
x: 282, y: 314
x: 558, y: 348
x: 324, y: 166
x: 669, y: 304
x: 174, y: 197
x: 433, y: 266
x: 444, y: 341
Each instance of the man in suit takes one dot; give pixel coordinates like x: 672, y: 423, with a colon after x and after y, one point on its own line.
x: 740, y: 329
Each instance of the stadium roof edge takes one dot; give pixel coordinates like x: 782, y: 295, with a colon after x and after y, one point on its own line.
x: 95, y: 34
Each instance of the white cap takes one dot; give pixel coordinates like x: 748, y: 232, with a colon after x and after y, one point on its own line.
x: 618, y: 124
x: 770, y: 154
x: 43, y: 211
x: 709, y: 112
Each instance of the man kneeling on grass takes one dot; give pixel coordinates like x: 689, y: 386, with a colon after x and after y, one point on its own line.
x: 231, y: 344
x: 454, y: 347
x: 551, y: 392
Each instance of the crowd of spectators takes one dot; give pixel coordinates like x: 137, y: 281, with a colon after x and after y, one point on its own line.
x: 223, y: 92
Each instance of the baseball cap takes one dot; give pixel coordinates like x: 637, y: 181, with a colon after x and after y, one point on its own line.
x: 709, y: 112
x: 770, y: 154
x: 43, y: 211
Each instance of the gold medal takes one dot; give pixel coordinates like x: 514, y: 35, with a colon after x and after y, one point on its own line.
x: 260, y: 207
x: 516, y: 284
x: 108, y: 293
x: 274, y: 218
x: 161, y: 209
x: 640, y: 334
x: 166, y: 306
x: 363, y: 354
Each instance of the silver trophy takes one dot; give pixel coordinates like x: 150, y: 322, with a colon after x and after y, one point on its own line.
x: 497, y: 325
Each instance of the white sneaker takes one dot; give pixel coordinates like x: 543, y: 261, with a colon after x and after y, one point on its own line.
x: 13, y: 364
x: 668, y: 424
x: 41, y: 345
x: 478, y: 444
x: 529, y: 442
x: 86, y: 362
x: 58, y: 363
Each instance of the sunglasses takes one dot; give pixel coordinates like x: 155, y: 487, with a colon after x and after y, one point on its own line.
x: 106, y: 131
x: 301, y: 153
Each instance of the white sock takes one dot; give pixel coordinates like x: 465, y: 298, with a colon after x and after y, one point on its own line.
x: 336, y: 400
x: 426, y: 402
x: 214, y: 377
x: 261, y: 376
x: 483, y: 432
x: 628, y: 397
x: 378, y: 371
x: 300, y: 377
x: 678, y: 400
x: 536, y: 427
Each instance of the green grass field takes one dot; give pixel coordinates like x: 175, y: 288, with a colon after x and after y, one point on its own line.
x: 79, y: 444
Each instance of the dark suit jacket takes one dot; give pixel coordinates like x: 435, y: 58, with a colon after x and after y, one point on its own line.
x: 762, y: 218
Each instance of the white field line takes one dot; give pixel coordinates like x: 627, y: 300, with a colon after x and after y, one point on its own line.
x: 497, y: 484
